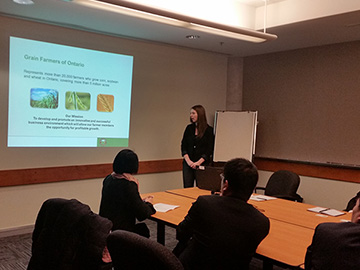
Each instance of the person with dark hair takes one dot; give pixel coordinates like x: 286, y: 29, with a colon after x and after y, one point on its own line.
x: 336, y: 245
x: 197, y: 144
x: 120, y: 201
x: 223, y: 232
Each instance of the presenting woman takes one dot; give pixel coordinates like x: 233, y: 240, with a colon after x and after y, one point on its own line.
x: 120, y: 200
x: 197, y: 144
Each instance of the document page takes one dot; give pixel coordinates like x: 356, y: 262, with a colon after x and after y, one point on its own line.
x: 162, y: 207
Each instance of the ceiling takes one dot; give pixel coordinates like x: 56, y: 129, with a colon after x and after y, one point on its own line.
x: 330, y: 29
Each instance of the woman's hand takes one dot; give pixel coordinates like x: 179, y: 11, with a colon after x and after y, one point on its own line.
x: 191, y: 164
x: 188, y: 161
x: 148, y: 199
x: 197, y: 163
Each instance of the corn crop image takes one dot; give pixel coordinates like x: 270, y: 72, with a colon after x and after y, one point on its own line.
x: 44, y: 98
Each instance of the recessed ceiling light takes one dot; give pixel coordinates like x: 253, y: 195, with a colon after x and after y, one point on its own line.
x: 23, y: 2
x: 192, y: 37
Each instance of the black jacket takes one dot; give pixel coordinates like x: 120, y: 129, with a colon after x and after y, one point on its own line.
x: 221, y: 233
x: 68, y: 236
x: 335, y: 246
x: 198, y: 148
x: 122, y: 204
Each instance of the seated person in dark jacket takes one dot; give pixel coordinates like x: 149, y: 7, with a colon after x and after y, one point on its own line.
x: 336, y: 246
x: 68, y: 235
x: 223, y: 232
x: 121, y: 201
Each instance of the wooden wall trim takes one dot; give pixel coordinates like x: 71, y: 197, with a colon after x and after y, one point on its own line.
x: 79, y: 172
x: 318, y: 170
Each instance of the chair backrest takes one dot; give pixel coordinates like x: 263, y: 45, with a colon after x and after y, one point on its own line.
x: 283, y: 184
x: 68, y: 235
x: 129, y: 250
x: 350, y: 205
x: 209, y: 178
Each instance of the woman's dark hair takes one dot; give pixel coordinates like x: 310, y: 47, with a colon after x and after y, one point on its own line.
x: 126, y: 161
x: 201, y: 121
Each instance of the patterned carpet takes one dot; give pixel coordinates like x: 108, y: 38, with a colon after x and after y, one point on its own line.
x: 15, y: 251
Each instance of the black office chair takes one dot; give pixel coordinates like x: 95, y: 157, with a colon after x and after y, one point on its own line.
x: 283, y: 184
x: 68, y: 236
x: 350, y: 205
x: 209, y: 178
x: 129, y: 250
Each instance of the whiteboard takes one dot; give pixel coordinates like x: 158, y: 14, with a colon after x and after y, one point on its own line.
x: 235, y: 135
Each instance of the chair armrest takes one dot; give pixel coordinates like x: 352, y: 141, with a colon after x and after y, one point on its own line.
x: 259, y: 188
x: 296, y: 198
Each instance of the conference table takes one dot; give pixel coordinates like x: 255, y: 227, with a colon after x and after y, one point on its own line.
x: 283, y: 210
x: 291, y: 224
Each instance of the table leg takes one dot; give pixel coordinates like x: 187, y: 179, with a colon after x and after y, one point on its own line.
x: 267, y: 264
x: 161, y: 232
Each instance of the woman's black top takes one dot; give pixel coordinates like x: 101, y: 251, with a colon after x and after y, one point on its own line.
x: 122, y: 204
x: 196, y: 147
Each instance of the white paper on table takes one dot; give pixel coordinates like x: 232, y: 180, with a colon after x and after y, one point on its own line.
x: 317, y: 209
x: 256, y: 198
x: 260, y: 198
x: 345, y: 220
x: 266, y: 198
x: 333, y: 212
x: 321, y: 215
x: 163, y: 207
x: 327, y: 211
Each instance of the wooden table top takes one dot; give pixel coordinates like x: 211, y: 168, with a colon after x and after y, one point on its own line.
x: 175, y: 216
x: 295, y: 213
x: 284, y: 210
x: 192, y: 192
x: 286, y: 243
x: 291, y: 224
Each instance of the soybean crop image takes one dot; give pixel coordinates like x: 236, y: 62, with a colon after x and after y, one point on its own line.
x: 77, y: 101
x: 44, y: 98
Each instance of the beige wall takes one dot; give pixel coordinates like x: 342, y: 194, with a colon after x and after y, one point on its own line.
x: 321, y: 192
x: 308, y: 102
x: 19, y: 205
x: 167, y: 81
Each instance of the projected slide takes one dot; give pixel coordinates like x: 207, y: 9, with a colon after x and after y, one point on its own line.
x: 62, y: 96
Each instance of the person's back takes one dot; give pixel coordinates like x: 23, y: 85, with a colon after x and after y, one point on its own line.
x: 120, y: 200
x: 225, y: 235
x: 223, y: 232
x: 68, y: 235
x: 121, y: 203
x: 336, y: 246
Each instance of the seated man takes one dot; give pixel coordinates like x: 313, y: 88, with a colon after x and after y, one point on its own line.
x: 223, y: 232
x: 336, y: 245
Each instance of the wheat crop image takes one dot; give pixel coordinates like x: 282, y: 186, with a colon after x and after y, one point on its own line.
x: 105, y: 103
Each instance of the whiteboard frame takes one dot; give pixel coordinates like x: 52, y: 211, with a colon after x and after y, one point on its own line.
x: 235, y: 135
